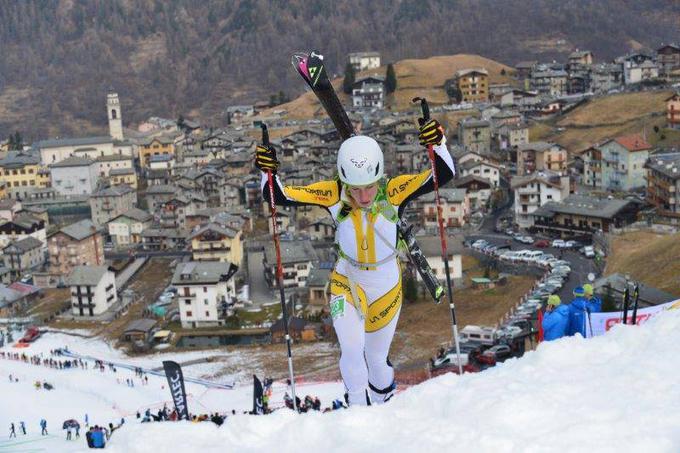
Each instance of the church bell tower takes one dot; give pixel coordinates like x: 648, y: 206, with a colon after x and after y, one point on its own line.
x: 115, y: 116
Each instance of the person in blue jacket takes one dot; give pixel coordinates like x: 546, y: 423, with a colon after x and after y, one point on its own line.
x: 98, y: 440
x: 555, y: 319
x: 594, y: 302
x: 578, y: 313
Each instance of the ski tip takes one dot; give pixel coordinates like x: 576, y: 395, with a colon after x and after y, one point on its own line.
x: 299, y: 62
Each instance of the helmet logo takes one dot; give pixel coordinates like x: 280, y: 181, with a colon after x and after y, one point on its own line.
x: 359, y: 164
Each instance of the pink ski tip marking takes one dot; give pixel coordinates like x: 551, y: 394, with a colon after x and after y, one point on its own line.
x: 302, y: 67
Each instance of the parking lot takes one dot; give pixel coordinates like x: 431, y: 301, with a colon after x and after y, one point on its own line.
x: 579, y: 264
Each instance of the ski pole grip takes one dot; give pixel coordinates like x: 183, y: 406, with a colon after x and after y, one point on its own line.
x: 265, y: 134
x: 424, y: 107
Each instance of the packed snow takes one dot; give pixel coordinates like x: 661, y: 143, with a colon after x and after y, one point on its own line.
x: 619, y: 392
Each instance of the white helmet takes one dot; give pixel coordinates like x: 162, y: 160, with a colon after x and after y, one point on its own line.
x: 360, y: 161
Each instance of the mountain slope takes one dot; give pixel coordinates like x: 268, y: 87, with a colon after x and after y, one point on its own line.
x: 183, y: 57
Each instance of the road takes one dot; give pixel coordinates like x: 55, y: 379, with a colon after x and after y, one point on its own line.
x: 257, y: 285
x: 580, y: 265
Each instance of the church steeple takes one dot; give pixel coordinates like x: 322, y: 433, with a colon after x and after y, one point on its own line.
x: 115, y: 116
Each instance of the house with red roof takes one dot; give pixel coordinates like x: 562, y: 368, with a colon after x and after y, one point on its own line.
x: 617, y: 164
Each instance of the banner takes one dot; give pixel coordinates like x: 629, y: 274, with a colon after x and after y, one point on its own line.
x: 176, y: 383
x: 602, y: 322
x: 258, y: 395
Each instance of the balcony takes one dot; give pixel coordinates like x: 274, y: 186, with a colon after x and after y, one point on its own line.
x: 562, y: 227
x: 527, y: 191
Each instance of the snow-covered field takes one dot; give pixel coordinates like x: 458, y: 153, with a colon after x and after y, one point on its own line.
x: 619, y: 393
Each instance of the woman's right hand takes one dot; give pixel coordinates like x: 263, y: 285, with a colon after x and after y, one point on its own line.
x: 265, y: 158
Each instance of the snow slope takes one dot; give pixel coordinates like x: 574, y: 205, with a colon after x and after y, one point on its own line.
x: 619, y: 393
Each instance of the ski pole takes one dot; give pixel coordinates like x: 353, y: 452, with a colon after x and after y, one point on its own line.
x: 636, y: 297
x: 279, y: 268
x: 442, y: 234
x: 626, y: 298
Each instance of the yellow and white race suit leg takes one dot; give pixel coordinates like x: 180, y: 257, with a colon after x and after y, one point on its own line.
x: 365, y: 329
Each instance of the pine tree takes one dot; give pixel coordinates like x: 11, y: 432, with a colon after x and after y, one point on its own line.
x: 16, y: 141
x: 390, y: 79
x: 350, y: 77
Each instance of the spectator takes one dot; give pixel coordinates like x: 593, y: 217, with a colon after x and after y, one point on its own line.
x: 22, y: 427
x: 594, y: 302
x: 555, y: 319
x: 43, y: 427
x: 98, y: 440
x: 88, y: 437
x: 12, y: 431
x: 578, y: 316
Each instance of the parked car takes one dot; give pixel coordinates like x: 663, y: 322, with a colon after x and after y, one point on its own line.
x: 499, y: 352
x: 589, y: 251
x: 533, y: 256
x: 558, y: 243
x: 526, y: 240
x: 450, y: 358
x: 542, y: 243
x: 479, y: 244
x: 509, y: 331
x: 523, y: 324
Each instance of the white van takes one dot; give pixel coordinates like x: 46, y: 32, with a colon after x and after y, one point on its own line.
x: 480, y: 334
x: 533, y: 255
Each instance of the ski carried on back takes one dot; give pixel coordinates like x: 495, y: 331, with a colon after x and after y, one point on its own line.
x: 311, y: 68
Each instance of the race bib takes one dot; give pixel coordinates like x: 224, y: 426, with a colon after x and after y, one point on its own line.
x: 338, y: 306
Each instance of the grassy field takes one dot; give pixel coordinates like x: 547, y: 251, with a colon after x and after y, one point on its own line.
x: 421, y: 77
x: 608, y: 117
x: 53, y: 301
x: 540, y: 132
x: 424, y: 326
x: 648, y: 257
x: 617, y: 109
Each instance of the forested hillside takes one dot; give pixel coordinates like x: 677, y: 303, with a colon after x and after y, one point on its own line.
x: 58, y: 58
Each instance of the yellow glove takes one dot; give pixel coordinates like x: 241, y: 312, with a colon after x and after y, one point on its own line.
x: 431, y: 133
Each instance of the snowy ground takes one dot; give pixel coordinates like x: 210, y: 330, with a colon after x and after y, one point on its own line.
x: 619, y: 393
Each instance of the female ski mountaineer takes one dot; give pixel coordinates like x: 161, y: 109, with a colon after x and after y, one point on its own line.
x: 366, y: 291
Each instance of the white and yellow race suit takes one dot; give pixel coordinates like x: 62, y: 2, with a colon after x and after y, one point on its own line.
x: 365, y: 285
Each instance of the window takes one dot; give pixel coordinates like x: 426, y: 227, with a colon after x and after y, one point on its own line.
x: 549, y: 197
x: 205, y: 301
x: 205, y: 289
x: 189, y: 314
x: 187, y: 302
x: 207, y: 313
x: 301, y: 267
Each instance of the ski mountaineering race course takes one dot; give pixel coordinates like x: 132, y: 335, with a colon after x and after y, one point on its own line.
x: 618, y: 392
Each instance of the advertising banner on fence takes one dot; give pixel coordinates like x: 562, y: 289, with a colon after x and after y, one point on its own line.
x: 602, y: 322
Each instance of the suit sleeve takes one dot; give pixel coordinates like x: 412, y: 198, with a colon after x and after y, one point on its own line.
x: 404, y: 188
x: 322, y: 193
